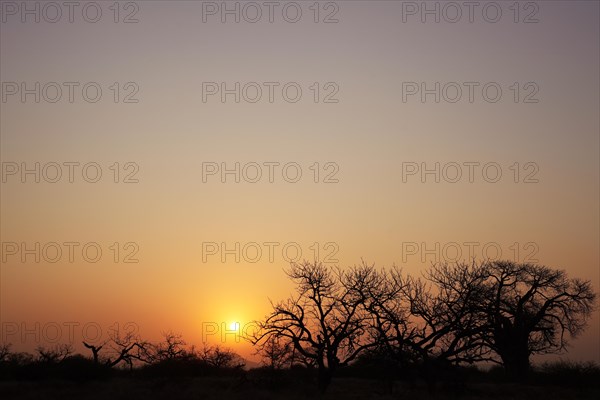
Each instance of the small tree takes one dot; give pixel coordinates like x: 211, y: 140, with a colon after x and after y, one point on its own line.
x: 275, y: 352
x: 5, y: 351
x: 172, y: 347
x: 218, y: 357
x: 55, y: 354
x: 95, y: 350
x: 122, y: 347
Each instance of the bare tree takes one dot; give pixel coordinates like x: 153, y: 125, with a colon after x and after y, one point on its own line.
x: 172, y: 347
x: 386, y: 301
x: 55, y: 354
x: 95, y: 350
x: 218, y: 357
x: 448, y: 320
x: 424, y: 325
x: 129, y: 348
x: 390, y: 329
x: 326, y: 320
x: 121, y: 347
x: 5, y: 351
x: 275, y: 352
x: 499, y: 311
x: 533, y: 309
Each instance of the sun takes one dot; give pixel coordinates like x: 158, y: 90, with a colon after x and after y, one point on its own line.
x: 234, y: 326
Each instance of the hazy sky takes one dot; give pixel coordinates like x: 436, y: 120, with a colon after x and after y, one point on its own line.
x: 367, y: 115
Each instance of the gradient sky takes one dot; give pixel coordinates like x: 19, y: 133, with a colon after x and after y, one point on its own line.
x: 369, y: 134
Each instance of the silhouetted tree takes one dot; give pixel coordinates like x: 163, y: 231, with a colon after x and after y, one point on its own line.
x: 95, y: 351
x: 532, y: 309
x: 275, y: 352
x: 460, y: 313
x: 445, y: 306
x: 55, y: 354
x: 326, y: 320
x: 450, y: 326
x: 386, y: 302
x: 120, y: 348
x: 172, y: 347
x: 218, y: 357
x: 428, y: 324
x: 4, y: 351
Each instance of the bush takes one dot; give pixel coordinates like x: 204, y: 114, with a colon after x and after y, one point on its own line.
x: 567, y: 373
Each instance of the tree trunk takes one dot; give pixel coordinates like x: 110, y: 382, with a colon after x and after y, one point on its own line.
x: 517, y: 367
x: 325, y: 374
x: 516, y: 360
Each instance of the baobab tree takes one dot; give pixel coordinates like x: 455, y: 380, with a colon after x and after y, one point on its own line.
x: 461, y: 313
x: 532, y: 309
x: 326, y: 320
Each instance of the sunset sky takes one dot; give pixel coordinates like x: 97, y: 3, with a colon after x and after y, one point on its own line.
x: 172, y: 138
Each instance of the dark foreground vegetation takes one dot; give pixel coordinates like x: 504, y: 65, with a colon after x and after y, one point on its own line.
x: 77, y: 377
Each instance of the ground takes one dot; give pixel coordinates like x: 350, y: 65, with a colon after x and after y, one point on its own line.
x: 233, y: 388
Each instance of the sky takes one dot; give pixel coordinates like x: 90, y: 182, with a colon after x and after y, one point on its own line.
x: 173, y: 160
